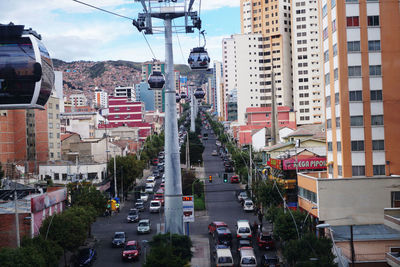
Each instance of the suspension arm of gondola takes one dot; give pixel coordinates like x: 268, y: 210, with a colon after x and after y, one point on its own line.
x: 190, y: 5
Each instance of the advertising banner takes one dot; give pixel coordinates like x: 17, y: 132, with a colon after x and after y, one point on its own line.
x: 188, y: 208
x: 305, y: 164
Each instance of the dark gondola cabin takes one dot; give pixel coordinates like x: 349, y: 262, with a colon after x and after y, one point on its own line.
x: 199, y: 93
x: 178, y: 97
x: 26, y: 69
x: 199, y: 59
x: 183, y: 95
x: 156, y: 80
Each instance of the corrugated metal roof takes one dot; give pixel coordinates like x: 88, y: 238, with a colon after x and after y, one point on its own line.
x: 365, y: 232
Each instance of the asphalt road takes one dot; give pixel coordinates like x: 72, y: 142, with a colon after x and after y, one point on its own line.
x: 221, y: 204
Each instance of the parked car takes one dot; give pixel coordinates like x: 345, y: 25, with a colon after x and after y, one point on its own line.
x: 247, y: 257
x: 242, y: 196
x: 133, y: 215
x: 244, y: 243
x: 139, y: 205
x: 223, y: 257
x: 248, y: 205
x: 149, y: 188
x: 243, y: 229
x: 214, y: 153
x: 154, y: 162
x: 155, y: 206
x: 268, y: 260
x: 119, y: 239
x: 156, y: 173
x: 131, y: 251
x: 159, y: 196
x: 265, y: 240
x: 214, y: 225
x: 86, y: 256
x: 144, y: 226
x: 235, y: 179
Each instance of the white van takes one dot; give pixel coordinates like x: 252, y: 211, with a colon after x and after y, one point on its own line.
x: 224, y: 257
x: 247, y: 257
x: 243, y: 229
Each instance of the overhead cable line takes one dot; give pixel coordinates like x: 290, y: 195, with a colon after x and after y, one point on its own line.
x: 179, y: 42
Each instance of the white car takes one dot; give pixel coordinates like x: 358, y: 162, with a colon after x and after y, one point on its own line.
x: 242, y: 195
x: 248, y: 205
x: 144, y: 196
x: 155, y: 206
x: 151, y: 179
x: 149, y: 188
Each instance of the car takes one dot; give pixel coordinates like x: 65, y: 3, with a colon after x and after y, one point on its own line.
x: 163, y: 178
x: 214, y: 153
x: 247, y: 257
x: 248, y: 205
x: 139, y: 204
x: 162, y: 186
x: 149, y: 188
x: 215, y: 225
x: 242, y: 196
x: 144, y: 196
x: 151, y: 179
x: 243, y: 230
x: 235, y: 179
x: 154, y: 162
x: 144, y: 226
x: 265, y: 240
x: 155, y: 206
x: 86, y: 256
x: 133, y: 215
x: 119, y: 239
x: 131, y: 251
x: 268, y: 260
x: 228, y: 168
x: 156, y: 173
x: 223, y: 257
x: 244, y: 243
x: 223, y: 236
x: 159, y: 196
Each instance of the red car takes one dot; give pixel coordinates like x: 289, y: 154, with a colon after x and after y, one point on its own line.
x: 235, y: 179
x: 264, y: 240
x: 159, y: 196
x: 131, y: 251
x: 214, y: 225
x: 154, y: 162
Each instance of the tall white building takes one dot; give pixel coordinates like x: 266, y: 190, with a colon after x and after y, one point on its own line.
x: 217, y: 84
x: 128, y: 92
x: 229, y: 67
x: 307, y: 62
x: 100, y: 98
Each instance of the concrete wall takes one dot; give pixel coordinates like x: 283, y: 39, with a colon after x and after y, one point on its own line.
x: 355, y: 200
x: 374, y: 250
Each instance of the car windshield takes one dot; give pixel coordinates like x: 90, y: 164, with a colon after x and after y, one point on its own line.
x: 143, y: 224
x: 224, y: 260
x: 248, y: 203
x: 155, y: 204
x: 244, y: 230
x: 119, y: 236
x: 248, y: 260
x: 138, y: 204
x: 133, y: 212
x: 243, y: 194
x: 131, y: 247
x: 224, y: 237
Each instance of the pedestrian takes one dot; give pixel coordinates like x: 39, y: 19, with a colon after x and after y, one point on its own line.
x: 255, y: 228
x: 260, y: 216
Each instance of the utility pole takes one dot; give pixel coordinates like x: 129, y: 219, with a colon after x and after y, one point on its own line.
x: 168, y: 10
x: 353, y: 256
x: 16, y: 213
x: 192, y: 111
x: 115, y: 175
x: 187, y: 152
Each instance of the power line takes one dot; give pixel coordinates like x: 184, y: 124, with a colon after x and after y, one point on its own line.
x: 179, y: 42
x: 95, y: 7
x: 149, y: 45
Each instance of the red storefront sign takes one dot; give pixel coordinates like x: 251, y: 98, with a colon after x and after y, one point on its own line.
x: 305, y: 164
x: 275, y: 163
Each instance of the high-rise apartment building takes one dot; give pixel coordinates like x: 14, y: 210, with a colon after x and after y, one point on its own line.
x: 217, y: 84
x: 145, y: 95
x: 100, y: 98
x: 272, y: 21
x: 159, y: 95
x: 127, y: 92
x: 78, y: 100
x: 54, y: 128
x: 308, y: 92
x: 361, y: 46
x: 229, y: 67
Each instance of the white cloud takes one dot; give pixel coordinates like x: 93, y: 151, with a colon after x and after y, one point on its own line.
x: 216, y: 4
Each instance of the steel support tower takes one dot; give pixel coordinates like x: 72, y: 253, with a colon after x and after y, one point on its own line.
x: 168, y: 10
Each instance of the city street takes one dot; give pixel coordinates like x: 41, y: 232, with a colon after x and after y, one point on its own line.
x: 221, y: 205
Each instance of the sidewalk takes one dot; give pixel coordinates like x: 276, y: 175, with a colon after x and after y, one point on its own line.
x: 201, y: 251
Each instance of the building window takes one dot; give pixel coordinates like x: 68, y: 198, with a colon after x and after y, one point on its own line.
x: 356, y: 121
x: 330, y: 169
x: 373, y: 21
x: 353, y: 21
x: 325, y: 33
x: 353, y: 46
x: 335, y: 51
x: 357, y: 145
x: 333, y: 3
x: 355, y: 96
x: 327, y: 78
x: 329, y: 146
x: 378, y: 169
x: 374, y: 45
x: 339, y: 146
x: 334, y: 25
x: 351, y: 1
x: 377, y: 120
x: 307, y: 194
x: 50, y: 115
x: 339, y: 169
x: 50, y: 125
x: 328, y: 101
x: 337, y: 122
x: 354, y: 71
x: 358, y: 170
x: 326, y: 56
x: 375, y: 70
x: 324, y: 10
x: 56, y: 176
x: 328, y: 124
x: 378, y: 144
x: 337, y: 98
x: 395, y: 199
x: 50, y: 135
x: 376, y: 95
x: 335, y: 74
x: 51, y: 145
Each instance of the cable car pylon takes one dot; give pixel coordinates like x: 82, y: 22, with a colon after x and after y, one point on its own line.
x: 162, y: 9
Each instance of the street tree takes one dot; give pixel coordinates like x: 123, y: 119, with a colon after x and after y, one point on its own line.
x: 268, y: 195
x: 287, y: 228
x: 49, y: 250
x: 88, y: 195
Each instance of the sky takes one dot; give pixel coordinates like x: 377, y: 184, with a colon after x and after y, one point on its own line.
x: 72, y: 31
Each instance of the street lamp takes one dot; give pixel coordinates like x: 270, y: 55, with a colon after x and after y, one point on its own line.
x: 308, y: 214
x: 327, y: 225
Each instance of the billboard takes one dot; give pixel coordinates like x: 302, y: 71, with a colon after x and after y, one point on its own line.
x: 305, y: 164
x: 188, y: 208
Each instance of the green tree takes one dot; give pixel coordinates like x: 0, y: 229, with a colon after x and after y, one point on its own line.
x: 268, y: 195
x: 169, y: 250
x: 196, y: 149
x: 21, y: 257
x: 309, y: 251
x: 49, y: 250
x: 88, y: 195
x: 285, y: 227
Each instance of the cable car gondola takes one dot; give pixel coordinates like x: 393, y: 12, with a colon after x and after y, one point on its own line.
x: 177, y: 97
x: 156, y: 80
x: 26, y: 69
x: 199, y: 93
x: 198, y: 57
x: 183, y: 95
